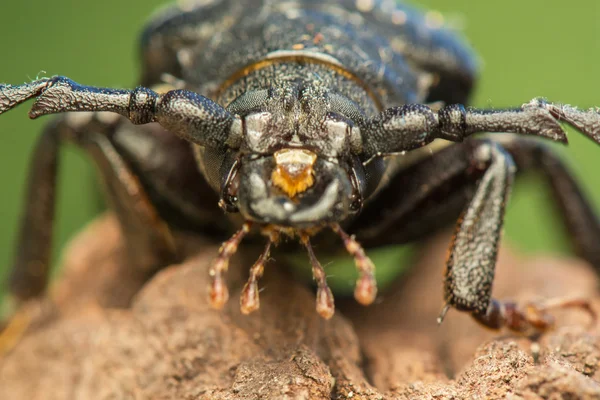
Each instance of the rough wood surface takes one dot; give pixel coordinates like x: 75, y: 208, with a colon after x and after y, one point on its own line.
x: 170, y: 345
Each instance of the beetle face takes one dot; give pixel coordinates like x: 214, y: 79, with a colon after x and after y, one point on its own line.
x: 294, y: 167
x: 293, y: 188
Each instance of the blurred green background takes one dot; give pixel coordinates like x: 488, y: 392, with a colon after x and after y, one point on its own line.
x: 527, y: 48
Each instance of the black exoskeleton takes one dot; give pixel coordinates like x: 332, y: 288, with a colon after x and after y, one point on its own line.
x: 300, y: 118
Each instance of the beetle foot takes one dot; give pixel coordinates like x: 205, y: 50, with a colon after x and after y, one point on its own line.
x: 366, y: 285
x: 532, y: 319
x: 325, y: 303
x: 249, y: 300
x: 218, y: 293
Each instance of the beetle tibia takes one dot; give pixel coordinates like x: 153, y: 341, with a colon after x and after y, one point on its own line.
x: 218, y: 293
x: 325, y: 303
x: 366, y: 285
x: 249, y: 300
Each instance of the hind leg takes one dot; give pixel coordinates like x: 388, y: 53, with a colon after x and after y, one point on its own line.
x: 148, y: 240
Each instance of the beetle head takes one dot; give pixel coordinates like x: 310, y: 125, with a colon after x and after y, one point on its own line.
x: 294, y: 166
x: 293, y: 188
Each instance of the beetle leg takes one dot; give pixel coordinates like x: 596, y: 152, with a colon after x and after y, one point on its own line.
x: 29, y: 274
x: 435, y: 190
x: 576, y: 212
x: 473, y: 250
x: 531, y: 319
x: 148, y: 237
x: 149, y: 241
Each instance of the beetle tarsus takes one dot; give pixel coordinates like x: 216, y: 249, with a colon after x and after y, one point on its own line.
x: 366, y: 284
x: 249, y: 300
x: 218, y: 293
x: 531, y: 319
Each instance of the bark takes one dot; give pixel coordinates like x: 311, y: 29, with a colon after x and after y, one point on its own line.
x: 170, y: 344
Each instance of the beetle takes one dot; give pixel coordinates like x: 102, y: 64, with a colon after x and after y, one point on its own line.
x: 304, y: 119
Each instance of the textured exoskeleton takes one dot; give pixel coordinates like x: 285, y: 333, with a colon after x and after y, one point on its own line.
x: 305, y: 119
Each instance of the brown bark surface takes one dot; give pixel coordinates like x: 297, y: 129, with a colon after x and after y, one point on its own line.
x: 170, y: 345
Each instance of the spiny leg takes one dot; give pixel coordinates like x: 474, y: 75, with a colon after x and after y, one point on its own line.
x: 149, y: 242
x: 325, y: 301
x: 366, y: 285
x: 218, y: 293
x: 435, y: 190
x: 578, y: 217
x: 473, y: 253
x: 31, y: 267
x: 249, y: 300
x: 530, y: 319
x: 451, y: 176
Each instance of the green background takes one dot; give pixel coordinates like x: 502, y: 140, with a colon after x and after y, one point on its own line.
x: 527, y: 48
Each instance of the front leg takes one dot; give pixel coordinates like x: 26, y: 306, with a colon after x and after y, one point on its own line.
x: 474, y: 248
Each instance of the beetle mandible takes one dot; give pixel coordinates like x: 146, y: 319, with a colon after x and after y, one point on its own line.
x: 304, y: 119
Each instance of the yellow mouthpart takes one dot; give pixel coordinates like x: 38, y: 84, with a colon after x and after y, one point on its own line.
x: 293, y: 171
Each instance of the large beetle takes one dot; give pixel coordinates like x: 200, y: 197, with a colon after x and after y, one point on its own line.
x: 301, y: 119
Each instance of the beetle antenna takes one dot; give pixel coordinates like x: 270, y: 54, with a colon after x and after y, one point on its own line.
x: 412, y: 126
x: 186, y: 114
x: 325, y: 302
x: 218, y: 293
x: 249, y: 300
x: 366, y: 285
